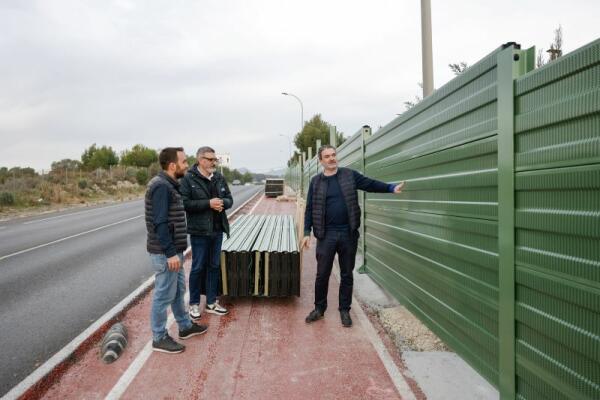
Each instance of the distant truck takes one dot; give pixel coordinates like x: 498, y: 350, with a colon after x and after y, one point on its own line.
x: 274, y: 187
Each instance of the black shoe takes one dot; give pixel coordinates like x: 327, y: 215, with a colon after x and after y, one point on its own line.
x: 168, y: 345
x: 346, y: 320
x: 194, y: 330
x: 314, y: 315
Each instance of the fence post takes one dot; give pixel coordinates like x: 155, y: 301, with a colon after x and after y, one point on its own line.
x: 512, y: 62
x: 333, y: 135
x: 365, y: 134
x: 303, y: 167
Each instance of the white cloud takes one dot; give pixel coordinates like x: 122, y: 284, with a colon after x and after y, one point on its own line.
x: 192, y: 73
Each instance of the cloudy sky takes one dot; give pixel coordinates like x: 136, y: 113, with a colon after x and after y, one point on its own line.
x: 211, y: 72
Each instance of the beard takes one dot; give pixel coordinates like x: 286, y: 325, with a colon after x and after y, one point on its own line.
x: 180, y: 173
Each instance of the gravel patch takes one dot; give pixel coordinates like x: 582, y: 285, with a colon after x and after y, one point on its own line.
x: 408, y: 333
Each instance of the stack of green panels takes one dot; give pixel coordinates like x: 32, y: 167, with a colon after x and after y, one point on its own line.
x: 261, y: 257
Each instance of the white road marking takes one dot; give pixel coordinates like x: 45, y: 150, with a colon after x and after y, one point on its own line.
x: 257, y: 203
x: 68, y: 215
x: 136, y: 366
x: 69, y: 237
x: 70, y: 348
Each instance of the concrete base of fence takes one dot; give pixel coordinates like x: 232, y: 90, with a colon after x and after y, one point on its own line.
x: 438, y: 374
x: 442, y: 375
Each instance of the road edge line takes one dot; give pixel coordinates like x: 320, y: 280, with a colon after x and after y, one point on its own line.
x: 42, y: 377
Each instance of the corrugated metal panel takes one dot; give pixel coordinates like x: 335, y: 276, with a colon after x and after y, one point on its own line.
x: 311, y: 168
x: 557, y: 221
x: 274, y: 187
x: 350, y: 155
x: 237, y: 259
x: 435, y: 247
x: 261, y: 257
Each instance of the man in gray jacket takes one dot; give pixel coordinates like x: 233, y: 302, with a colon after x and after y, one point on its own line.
x: 166, y: 241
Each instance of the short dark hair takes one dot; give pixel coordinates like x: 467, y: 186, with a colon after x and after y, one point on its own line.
x: 323, y: 148
x: 204, y: 150
x: 167, y: 156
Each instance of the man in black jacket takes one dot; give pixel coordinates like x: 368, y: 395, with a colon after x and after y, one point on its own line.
x: 206, y: 196
x: 333, y: 213
x: 166, y: 241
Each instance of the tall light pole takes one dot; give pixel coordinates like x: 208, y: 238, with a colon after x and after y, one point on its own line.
x: 301, y: 108
x: 427, y: 53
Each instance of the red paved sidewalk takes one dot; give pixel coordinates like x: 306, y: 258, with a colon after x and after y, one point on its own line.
x: 262, y: 349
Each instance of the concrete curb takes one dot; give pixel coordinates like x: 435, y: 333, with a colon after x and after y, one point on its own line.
x: 44, y: 376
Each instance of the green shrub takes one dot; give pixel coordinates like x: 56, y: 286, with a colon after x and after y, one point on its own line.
x: 7, y: 198
x: 131, y: 172
x: 142, y: 177
x: 82, y: 184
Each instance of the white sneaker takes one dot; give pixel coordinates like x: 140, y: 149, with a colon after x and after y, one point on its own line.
x: 216, y: 308
x: 195, y: 311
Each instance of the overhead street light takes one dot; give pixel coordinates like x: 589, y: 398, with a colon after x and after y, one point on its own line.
x: 301, y: 108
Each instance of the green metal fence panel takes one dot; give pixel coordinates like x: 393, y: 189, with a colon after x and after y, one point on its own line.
x: 350, y: 155
x: 557, y: 219
x: 436, y: 246
x: 495, y: 241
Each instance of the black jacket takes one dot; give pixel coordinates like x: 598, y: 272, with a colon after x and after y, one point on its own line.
x: 349, y: 181
x: 165, y: 218
x: 195, y: 190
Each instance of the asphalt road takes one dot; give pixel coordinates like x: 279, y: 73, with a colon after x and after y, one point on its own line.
x: 60, y: 272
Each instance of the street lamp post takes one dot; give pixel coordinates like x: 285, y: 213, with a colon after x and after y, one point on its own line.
x: 301, y: 108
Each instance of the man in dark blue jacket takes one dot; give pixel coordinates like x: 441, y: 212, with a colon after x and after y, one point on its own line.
x: 206, y: 196
x: 333, y: 213
x: 166, y: 242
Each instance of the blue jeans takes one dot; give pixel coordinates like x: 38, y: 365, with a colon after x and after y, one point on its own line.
x: 206, y: 253
x: 169, y: 290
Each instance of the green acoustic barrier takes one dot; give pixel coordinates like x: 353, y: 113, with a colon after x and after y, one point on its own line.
x: 495, y: 242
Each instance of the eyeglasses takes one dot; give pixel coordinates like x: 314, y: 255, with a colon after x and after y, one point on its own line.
x: 215, y: 160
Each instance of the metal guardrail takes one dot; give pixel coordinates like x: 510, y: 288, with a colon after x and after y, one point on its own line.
x: 261, y: 257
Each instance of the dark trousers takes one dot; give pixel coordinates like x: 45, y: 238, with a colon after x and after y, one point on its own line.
x: 344, y: 243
